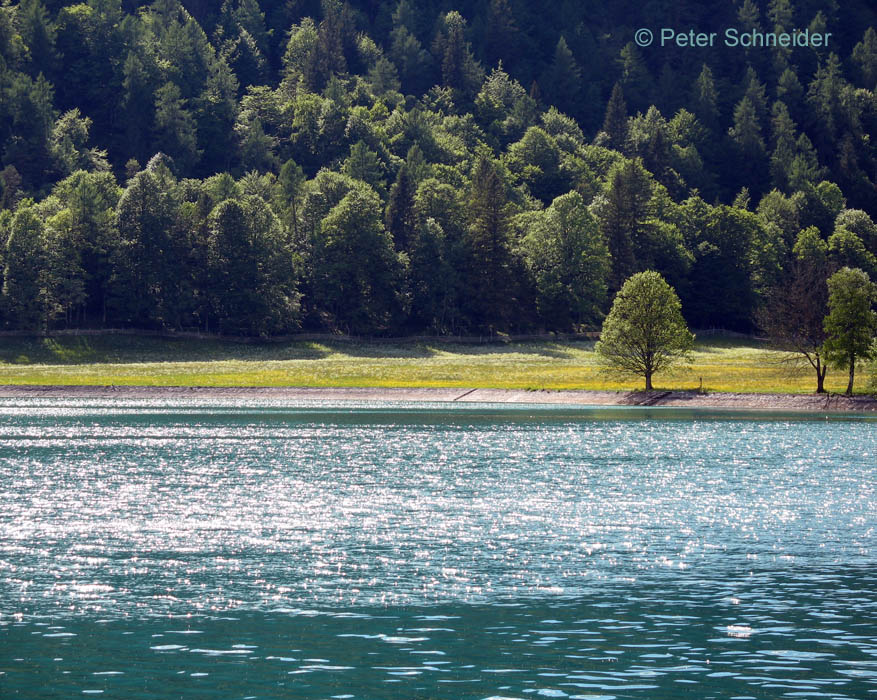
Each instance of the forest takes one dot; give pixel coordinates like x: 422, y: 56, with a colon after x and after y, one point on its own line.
x: 259, y: 167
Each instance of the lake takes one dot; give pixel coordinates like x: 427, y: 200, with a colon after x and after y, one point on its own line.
x: 195, y: 549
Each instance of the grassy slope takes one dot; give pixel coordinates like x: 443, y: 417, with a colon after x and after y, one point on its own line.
x: 101, y: 360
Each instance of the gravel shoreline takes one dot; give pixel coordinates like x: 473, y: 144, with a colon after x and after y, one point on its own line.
x: 690, y: 399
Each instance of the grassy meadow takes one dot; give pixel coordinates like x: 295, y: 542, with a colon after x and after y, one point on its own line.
x: 724, y: 365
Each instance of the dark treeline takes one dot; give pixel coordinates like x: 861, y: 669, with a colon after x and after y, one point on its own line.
x: 256, y: 167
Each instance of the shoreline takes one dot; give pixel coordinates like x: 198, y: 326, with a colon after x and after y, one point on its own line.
x: 678, y: 399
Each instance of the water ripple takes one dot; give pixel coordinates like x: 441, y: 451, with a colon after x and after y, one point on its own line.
x: 517, y: 552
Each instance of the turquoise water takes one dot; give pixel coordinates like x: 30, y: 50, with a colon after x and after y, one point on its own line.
x: 193, y: 550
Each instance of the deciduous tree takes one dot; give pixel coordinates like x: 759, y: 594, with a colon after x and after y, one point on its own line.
x: 644, y: 332
x: 851, y: 322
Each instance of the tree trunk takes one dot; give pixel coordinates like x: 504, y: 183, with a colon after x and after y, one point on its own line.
x: 648, y: 381
x: 820, y: 377
x: 852, y: 374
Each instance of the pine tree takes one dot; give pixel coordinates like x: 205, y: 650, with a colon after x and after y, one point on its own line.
x: 30, y: 120
x: 635, y: 77
x: 175, y: 127
x: 433, y: 279
x: 790, y: 91
x: 489, y: 275
x: 141, y: 79
x: 622, y: 216
x: 757, y: 94
x: 865, y: 57
x: 824, y: 99
x: 400, y: 218
x: 503, y: 41
x: 414, y: 63
x: 250, y: 18
x: 291, y: 180
x: 38, y: 35
x: 747, y: 136
x: 216, y: 111
x: 300, y: 58
x: 246, y: 59
x: 334, y: 36
x: 383, y: 77
x: 363, y: 164
x: 784, y: 147
x: 149, y: 264
x: 91, y: 200
x: 562, y: 82
x: 460, y: 71
x: 749, y: 16
x: 615, y: 122
x: 781, y: 15
x: 705, y: 98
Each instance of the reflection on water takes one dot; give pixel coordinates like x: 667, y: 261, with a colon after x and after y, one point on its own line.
x: 152, y: 550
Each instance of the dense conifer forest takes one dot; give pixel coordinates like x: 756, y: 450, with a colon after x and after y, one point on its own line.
x: 254, y: 167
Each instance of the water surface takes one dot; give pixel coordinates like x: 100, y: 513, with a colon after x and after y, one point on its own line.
x: 192, y: 549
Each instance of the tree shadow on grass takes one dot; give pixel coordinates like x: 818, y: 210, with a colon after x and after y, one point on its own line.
x: 123, y: 349
x: 137, y: 349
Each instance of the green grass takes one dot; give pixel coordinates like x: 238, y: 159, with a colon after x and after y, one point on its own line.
x: 724, y: 365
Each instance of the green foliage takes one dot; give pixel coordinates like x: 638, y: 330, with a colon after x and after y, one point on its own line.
x: 851, y: 323
x: 568, y: 259
x: 251, y: 288
x: 561, y: 82
x: 536, y: 161
x: 68, y: 145
x: 846, y: 249
x: 865, y: 56
x: 720, y: 290
x: 623, y: 214
x: 615, y: 122
x: 460, y: 71
x: 297, y: 105
x: 644, y: 332
x: 490, y: 280
x: 175, y: 130
x: 356, y: 270
x: 364, y: 164
x: 24, y: 295
x: 401, y: 219
x: 151, y: 252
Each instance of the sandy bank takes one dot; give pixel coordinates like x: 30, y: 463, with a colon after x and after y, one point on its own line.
x: 690, y: 399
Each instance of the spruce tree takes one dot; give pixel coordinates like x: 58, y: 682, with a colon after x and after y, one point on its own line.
x: 503, y: 36
x: 400, y: 218
x: 622, y: 216
x: 615, y: 122
x: 175, y: 130
x: 635, y: 77
x: 865, y: 58
x: 460, y: 70
x: 489, y: 274
x: 705, y: 98
x: 562, y: 82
